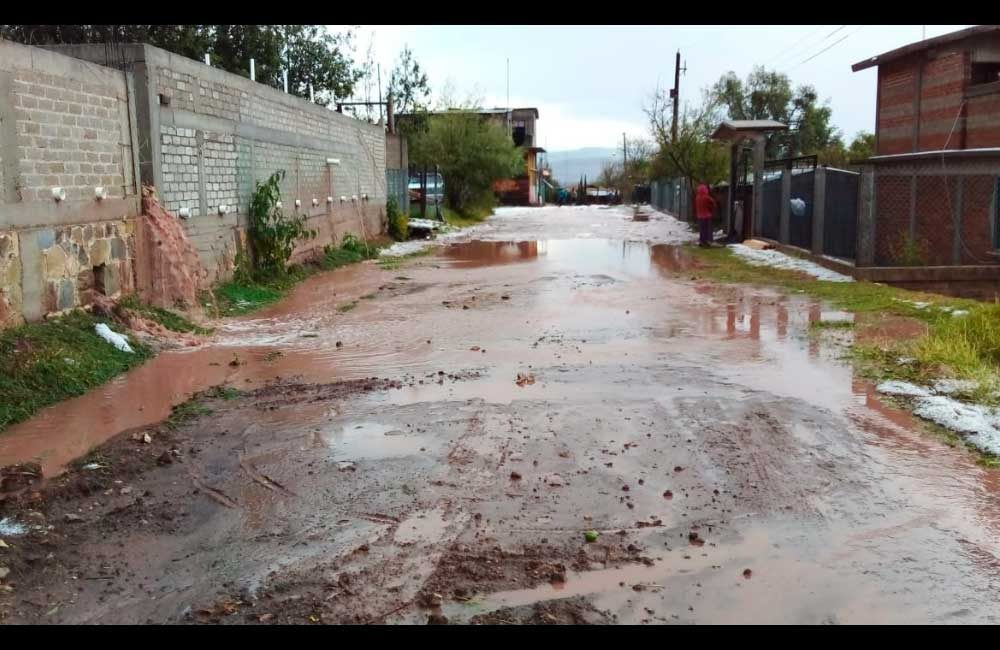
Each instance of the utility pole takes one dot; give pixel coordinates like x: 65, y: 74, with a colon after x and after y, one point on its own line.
x: 624, y: 168
x: 510, y: 126
x: 378, y: 67
x: 675, y: 94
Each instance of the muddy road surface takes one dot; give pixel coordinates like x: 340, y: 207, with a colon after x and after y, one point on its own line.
x: 546, y: 422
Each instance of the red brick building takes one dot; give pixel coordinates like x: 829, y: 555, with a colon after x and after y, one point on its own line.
x: 930, y: 194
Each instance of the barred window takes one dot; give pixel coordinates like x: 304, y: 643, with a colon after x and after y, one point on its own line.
x: 984, y: 73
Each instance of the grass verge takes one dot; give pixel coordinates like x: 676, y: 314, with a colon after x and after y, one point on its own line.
x: 396, y: 261
x: 44, y: 363
x: 169, y: 319
x: 237, y: 297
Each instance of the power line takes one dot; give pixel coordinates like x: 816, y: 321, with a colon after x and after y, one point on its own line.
x: 840, y: 40
x: 794, y: 45
x: 825, y: 39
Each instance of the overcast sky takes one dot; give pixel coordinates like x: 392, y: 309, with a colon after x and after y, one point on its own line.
x: 590, y: 83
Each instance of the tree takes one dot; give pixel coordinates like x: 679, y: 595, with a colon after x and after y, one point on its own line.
x: 636, y: 168
x: 188, y: 40
x: 768, y: 95
x: 317, y: 57
x: 693, y: 156
x: 837, y: 155
x: 408, y: 83
x: 311, y: 54
x: 833, y: 155
x: 862, y: 147
x: 471, y: 151
x: 611, y: 174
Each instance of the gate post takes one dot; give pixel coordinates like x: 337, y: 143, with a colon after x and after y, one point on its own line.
x: 819, y: 209
x: 758, y: 183
x: 785, y: 213
x: 865, y: 250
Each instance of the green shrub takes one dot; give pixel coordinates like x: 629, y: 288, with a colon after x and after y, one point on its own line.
x: 272, y: 234
x: 907, y: 251
x: 399, y: 222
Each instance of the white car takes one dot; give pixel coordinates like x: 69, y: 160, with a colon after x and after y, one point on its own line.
x: 435, y: 187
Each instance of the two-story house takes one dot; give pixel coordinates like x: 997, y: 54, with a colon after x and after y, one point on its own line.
x: 933, y: 188
x: 520, y: 123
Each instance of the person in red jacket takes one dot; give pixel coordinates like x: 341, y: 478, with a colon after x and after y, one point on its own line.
x: 704, y: 208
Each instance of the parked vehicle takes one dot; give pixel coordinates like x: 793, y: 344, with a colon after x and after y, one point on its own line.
x: 435, y: 188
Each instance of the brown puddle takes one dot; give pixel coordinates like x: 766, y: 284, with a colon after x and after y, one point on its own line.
x: 578, y: 255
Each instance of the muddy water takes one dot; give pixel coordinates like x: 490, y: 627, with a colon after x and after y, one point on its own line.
x: 297, y: 340
x: 843, y: 507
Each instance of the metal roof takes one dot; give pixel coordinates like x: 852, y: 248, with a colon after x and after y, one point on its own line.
x: 919, y: 46
x: 731, y: 128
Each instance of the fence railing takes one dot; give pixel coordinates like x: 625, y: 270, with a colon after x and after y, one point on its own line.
x: 669, y: 195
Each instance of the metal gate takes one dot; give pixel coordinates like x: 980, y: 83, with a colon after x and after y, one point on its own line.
x: 800, y: 217
x: 770, y: 218
x: 840, y: 217
x: 396, y: 183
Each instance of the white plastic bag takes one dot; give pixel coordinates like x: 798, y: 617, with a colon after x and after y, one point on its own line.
x: 112, y: 337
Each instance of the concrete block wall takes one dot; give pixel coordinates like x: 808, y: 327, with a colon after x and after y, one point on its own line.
x: 220, y: 134
x: 63, y: 123
x: 201, y: 136
x: 208, y: 137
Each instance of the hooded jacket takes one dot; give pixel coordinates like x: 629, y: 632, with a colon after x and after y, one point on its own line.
x: 704, y: 204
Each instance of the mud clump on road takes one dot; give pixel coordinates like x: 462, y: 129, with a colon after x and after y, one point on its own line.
x: 568, y: 611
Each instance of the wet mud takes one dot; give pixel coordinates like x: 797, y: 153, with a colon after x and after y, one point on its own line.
x: 685, y: 453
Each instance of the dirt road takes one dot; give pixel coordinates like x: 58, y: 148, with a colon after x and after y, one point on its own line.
x: 386, y: 464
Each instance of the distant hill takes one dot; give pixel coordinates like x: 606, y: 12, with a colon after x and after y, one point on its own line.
x: 569, y: 166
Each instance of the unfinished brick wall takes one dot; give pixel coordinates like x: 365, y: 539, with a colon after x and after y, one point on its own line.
x: 892, y: 217
x: 941, y: 90
x: 919, y: 101
x: 949, y: 206
x: 897, y: 85
x: 982, y: 121
x: 979, y: 203
x: 927, y: 102
x: 933, y: 219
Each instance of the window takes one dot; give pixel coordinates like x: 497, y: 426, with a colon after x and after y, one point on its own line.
x: 985, y: 73
x: 519, y: 131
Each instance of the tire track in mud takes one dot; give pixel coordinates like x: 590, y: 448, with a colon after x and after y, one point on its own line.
x: 387, y: 576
